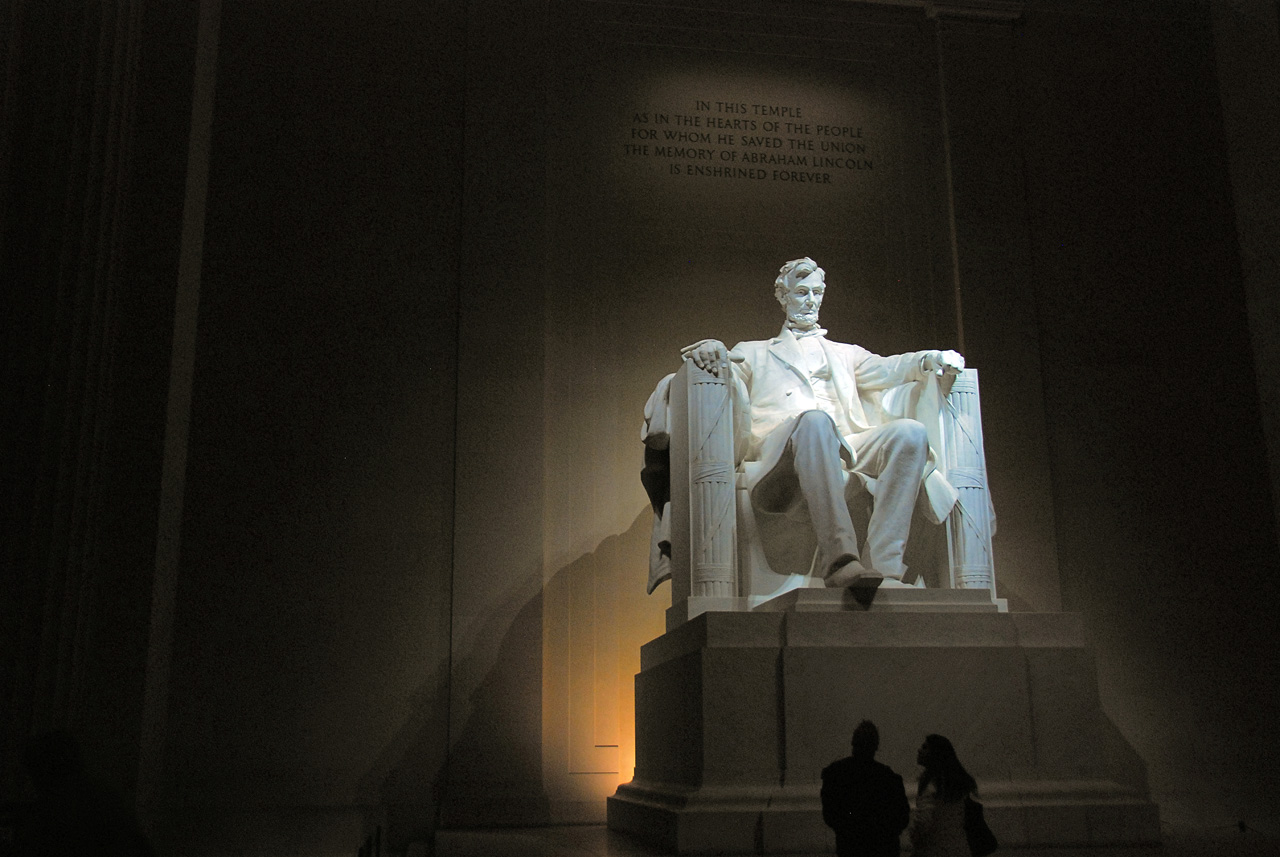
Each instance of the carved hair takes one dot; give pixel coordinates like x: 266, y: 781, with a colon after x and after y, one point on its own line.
x: 796, y: 269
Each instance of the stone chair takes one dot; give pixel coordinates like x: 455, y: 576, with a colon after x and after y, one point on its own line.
x: 704, y: 536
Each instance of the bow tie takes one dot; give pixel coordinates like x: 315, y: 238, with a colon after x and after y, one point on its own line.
x: 813, y: 331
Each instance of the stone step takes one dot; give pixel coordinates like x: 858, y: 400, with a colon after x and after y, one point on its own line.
x: 906, y: 599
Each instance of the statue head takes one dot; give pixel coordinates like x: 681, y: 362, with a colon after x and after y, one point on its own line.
x: 866, y: 740
x: 800, y: 287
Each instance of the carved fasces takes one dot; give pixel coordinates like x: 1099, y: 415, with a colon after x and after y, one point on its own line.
x: 972, y: 522
x: 711, y: 476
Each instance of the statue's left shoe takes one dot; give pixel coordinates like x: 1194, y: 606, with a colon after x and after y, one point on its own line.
x: 852, y: 573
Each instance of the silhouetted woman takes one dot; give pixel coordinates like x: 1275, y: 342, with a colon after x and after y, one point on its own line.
x: 937, y: 827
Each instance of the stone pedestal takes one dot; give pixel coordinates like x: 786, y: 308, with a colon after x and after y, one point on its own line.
x: 737, y: 713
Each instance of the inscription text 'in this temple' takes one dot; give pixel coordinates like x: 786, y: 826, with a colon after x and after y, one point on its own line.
x: 724, y: 138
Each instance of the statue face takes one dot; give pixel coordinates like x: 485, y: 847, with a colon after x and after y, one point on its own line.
x: 803, y: 301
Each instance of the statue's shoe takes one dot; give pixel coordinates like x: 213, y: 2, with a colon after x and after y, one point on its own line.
x: 853, y: 573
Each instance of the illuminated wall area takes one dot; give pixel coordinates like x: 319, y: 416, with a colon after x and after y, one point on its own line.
x: 333, y: 324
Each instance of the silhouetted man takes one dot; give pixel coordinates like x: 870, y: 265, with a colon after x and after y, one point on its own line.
x: 863, y: 801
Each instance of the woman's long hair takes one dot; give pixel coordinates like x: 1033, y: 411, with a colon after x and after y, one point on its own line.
x: 942, y: 768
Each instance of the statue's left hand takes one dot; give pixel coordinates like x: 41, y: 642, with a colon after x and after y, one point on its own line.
x: 946, y: 362
x: 711, y: 355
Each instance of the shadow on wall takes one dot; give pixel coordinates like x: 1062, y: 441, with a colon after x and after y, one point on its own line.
x: 418, y: 786
x: 494, y: 773
x: 597, y: 616
x: 1122, y: 760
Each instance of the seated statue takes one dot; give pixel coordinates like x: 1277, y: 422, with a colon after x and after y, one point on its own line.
x: 813, y: 428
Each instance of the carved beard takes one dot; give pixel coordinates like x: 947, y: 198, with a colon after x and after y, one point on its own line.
x: 803, y: 321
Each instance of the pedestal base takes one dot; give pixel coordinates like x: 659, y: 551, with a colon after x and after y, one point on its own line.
x: 737, y: 714
x: 886, y: 600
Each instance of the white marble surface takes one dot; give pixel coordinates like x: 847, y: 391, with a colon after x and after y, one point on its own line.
x: 741, y: 407
x: 737, y: 713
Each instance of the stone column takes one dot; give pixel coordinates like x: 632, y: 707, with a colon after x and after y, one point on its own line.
x: 1247, y: 36
x: 80, y: 248
x: 979, y: 44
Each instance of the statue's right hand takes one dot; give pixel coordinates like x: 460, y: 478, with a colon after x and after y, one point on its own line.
x: 709, y: 355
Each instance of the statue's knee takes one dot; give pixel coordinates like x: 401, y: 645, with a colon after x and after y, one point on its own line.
x: 815, y: 422
x: 909, y: 434
x: 815, y: 427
